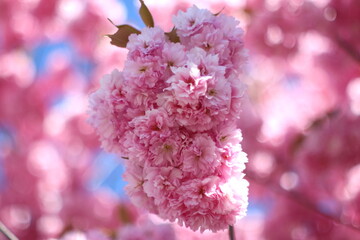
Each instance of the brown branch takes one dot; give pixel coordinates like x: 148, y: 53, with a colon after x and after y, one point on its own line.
x: 231, y: 233
x: 350, y: 50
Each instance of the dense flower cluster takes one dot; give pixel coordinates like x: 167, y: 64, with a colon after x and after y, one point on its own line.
x: 172, y: 113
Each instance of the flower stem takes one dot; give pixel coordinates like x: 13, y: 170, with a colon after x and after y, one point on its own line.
x: 9, y: 235
x: 231, y: 233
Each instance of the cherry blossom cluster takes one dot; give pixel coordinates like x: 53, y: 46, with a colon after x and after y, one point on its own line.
x: 172, y: 113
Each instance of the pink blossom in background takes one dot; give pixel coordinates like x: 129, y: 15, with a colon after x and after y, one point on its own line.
x: 146, y: 229
x: 143, y: 229
x: 91, y: 235
x: 46, y: 147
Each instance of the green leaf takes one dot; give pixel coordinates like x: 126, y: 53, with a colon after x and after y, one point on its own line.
x: 121, y: 37
x: 173, y: 37
x: 146, y: 15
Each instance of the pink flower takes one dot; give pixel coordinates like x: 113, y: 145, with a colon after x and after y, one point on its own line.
x: 135, y: 188
x: 174, y: 55
x: 187, y: 85
x: 154, y: 124
x: 194, y: 118
x: 211, y: 39
x: 146, y: 230
x: 161, y: 182
x: 237, y: 93
x: 190, y: 22
x: 233, y: 161
x: 218, y: 99
x: 146, y: 46
x: 142, y: 74
x: 228, y: 134
x: 178, y: 110
x: 106, y: 106
x: 165, y: 151
x: 207, y: 63
x: 208, y: 204
x: 218, y: 35
x: 200, y: 158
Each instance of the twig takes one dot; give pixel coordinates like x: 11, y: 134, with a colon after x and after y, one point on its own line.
x: 7, y: 233
x: 350, y: 50
x: 301, y: 200
x: 231, y: 233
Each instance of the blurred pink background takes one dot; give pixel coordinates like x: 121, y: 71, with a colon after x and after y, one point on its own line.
x: 300, y: 120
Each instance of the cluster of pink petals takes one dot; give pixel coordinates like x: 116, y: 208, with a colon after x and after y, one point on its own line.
x: 172, y: 115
